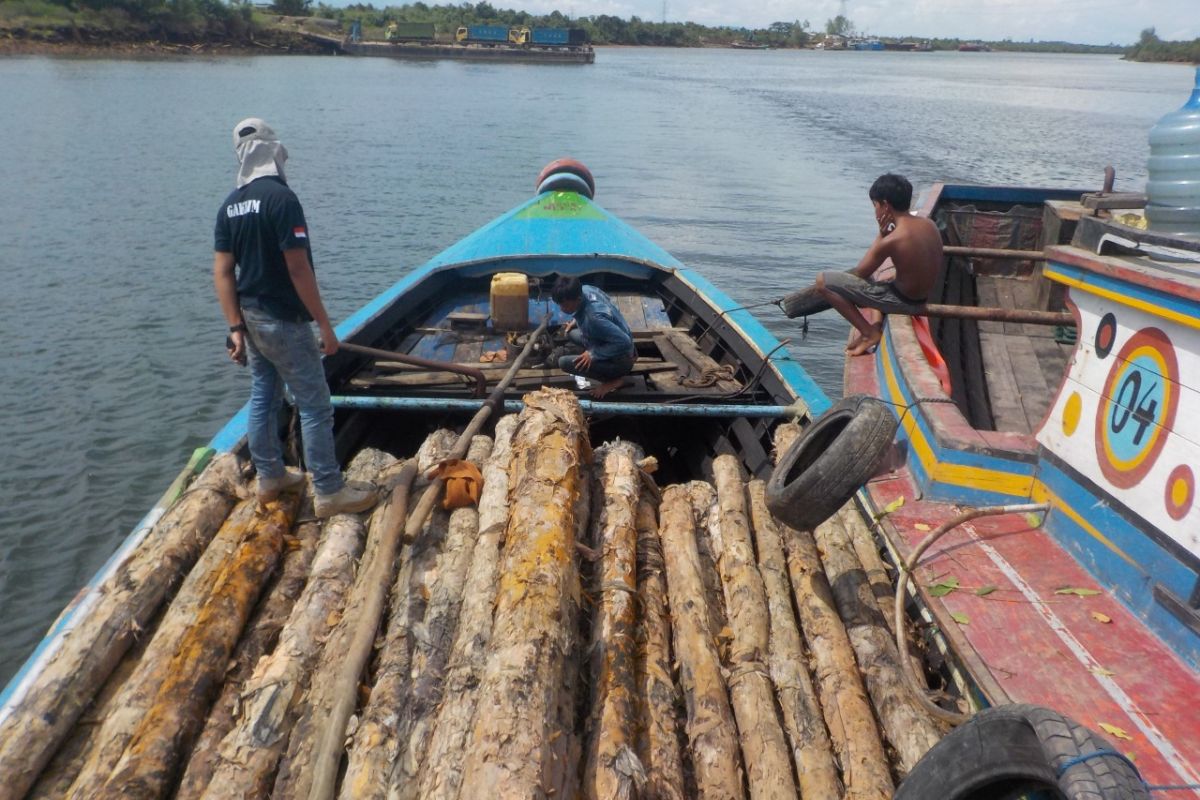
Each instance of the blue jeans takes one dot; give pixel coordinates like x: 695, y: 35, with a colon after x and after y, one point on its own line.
x: 286, y: 353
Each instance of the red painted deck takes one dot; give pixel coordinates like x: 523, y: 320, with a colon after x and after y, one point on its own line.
x: 1024, y: 643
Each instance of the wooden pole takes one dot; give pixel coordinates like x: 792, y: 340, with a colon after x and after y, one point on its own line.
x: 126, y: 603
x: 844, y: 703
x: 908, y: 728
x: 1029, y: 316
x: 441, y: 774
x: 811, y: 749
x: 433, y: 641
x: 613, y: 770
x: 764, y: 747
x: 149, y: 765
x: 711, y: 730
x: 994, y: 252
x: 425, y: 504
x: 333, y: 702
x: 658, y: 734
x: 519, y: 741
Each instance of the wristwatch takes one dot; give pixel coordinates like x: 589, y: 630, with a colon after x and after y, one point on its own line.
x: 239, y: 328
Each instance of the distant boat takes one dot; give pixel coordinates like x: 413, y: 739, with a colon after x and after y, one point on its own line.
x: 974, y: 47
x: 749, y: 46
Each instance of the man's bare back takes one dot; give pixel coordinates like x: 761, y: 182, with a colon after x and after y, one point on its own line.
x: 914, y: 246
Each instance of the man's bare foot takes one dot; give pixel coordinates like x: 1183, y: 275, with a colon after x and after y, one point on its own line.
x: 603, y: 389
x: 866, y: 344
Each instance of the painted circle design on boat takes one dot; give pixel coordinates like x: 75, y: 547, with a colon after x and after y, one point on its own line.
x: 1137, y: 407
x: 1181, y: 491
x: 1106, y: 334
x: 1072, y: 410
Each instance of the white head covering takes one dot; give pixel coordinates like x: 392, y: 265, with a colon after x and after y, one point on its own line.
x: 258, y: 150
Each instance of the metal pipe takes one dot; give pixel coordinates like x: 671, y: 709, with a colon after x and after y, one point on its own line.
x: 994, y: 252
x: 906, y: 573
x: 992, y: 314
x: 459, y: 406
x: 417, y: 361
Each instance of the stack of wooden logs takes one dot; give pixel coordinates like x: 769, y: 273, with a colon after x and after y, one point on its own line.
x: 580, y: 633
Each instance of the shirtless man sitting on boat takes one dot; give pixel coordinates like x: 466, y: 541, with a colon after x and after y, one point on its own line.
x: 915, y: 247
x: 600, y: 329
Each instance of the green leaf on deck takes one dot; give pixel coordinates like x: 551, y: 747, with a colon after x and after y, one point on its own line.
x: 943, y: 588
x: 890, y: 507
x: 984, y: 591
x: 960, y: 618
x: 1077, y: 591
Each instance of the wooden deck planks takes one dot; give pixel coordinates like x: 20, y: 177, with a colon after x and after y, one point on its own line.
x: 655, y: 312
x: 1008, y: 411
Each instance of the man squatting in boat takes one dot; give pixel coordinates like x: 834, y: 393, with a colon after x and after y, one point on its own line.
x: 915, y: 247
x: 262, y: 268
x: 599, y: 328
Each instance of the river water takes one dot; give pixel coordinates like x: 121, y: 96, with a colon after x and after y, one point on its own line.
x: 751, y: 167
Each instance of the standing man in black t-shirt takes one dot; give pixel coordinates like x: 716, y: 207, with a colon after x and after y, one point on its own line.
x: 262, y: 268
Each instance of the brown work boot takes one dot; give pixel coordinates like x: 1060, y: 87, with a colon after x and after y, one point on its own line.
x: 269, y: 489
x: 354, y: 497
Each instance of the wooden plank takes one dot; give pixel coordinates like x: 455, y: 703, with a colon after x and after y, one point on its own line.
x: 1031, y: 382
x: 986, y: 287
x: 1007, y: 409
x: 631, y: 308
x: 468, y: 350
x: 655, y: 312
x: 700, y: 360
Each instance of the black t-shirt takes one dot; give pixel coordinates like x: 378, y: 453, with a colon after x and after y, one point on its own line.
x: 257, y: 223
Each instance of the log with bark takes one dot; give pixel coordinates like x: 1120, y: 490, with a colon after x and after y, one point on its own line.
x: 130, y: 704
x: 908, y: 728
x: 613, y: 770
x: 706, y: 516
x: 316, y: 746
x: 432, y: 641
x: 441, y: 773
x: 126, y: 602
x: 816, y: 770
x: 519, y: 745
x: 249, y: 754
x: 844, y: 704
x: 711, y: 731
x: 657, y: 698
x: 263, y: 633
x: 764, y: 747
x: 878, y: 575
x: 151, y: 761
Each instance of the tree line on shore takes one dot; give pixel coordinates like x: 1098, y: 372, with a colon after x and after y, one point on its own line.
x: 240, y: 20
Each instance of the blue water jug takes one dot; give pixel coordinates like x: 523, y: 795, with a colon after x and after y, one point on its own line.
x: 1173, y: 190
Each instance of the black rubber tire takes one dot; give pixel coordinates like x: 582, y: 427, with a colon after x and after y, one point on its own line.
x: 1006, y: 751
x: 804, y: 303
x: 828, y: 463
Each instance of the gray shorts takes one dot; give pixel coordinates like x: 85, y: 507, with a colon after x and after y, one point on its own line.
x: 869, y: 294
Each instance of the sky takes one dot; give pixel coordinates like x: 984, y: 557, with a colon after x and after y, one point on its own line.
x: 1084, y: 21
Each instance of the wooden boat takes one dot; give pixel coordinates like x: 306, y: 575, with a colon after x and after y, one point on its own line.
x: 1091, y: 607
x: 184, y: 666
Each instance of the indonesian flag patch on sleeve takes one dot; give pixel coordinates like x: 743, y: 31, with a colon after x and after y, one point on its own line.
x: 300, y: 232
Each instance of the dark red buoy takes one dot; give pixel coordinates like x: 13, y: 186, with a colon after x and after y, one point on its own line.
x: 566, y: 175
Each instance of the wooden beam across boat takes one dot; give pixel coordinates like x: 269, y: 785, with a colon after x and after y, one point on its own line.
x: 461, y: 406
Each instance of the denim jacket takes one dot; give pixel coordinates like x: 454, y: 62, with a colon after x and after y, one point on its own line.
x: 605, y: 332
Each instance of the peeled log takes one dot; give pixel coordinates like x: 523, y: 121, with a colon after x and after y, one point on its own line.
x: 519, y: 745
x: 317, y: 743
x: 706, y: 516
x: 613, y: 770
x: 658, y: 738
x: 129, y: 706
x: 764, y: 747
x: 811, y: 749
x: 710, y: 726
x: 882, y: 587
x: 263, y: 633
x: 909, y: 729
x: 127, y: 601
x: 150, y: 763
x: 844, y: 702
x: 249, y: 754
x: 441, y: 773
x: 433, y: 639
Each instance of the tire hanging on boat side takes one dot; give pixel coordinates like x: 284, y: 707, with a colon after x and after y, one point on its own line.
x: 828, y: 463
x: 1008, y: 750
